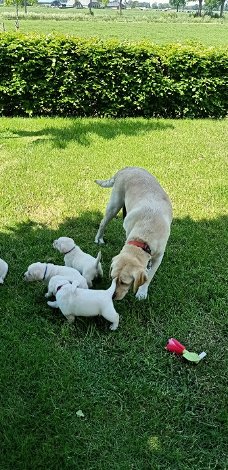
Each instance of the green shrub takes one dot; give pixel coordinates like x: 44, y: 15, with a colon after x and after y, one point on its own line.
x: 61, y: 75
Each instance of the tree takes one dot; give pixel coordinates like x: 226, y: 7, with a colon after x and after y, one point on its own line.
x: 20, y: 3
x: 177, y: 3
x: 210, y: 5
x: 222, y: 4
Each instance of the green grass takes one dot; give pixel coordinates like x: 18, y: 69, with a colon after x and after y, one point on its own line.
x: 152, y: 26
x: 144, y: 408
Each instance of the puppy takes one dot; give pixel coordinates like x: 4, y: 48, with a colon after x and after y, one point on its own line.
x: 148, y: 217
x: 86, y: 264
x: 44, y: 271
x: 74, y: 302
x: 56, y: 280
x: 3, y: 270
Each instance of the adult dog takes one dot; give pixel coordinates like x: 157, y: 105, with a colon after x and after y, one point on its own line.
x: 148, y: 216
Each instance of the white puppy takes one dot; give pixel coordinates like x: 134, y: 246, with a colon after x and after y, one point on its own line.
x: 44, y: 271
x: 86, y: 264
x: 75, y: 302
x: 56, y: 280
x: 3, y: 270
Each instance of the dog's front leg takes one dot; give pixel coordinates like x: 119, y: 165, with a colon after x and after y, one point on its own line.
x: 142, y: 291
x: 53, y: 304
x: 48, y: 294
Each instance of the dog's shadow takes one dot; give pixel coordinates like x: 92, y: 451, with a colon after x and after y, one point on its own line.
x: 194, y: 248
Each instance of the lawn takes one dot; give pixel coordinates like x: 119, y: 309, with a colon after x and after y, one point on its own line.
x: 161, y: 28
x: 144, y: 408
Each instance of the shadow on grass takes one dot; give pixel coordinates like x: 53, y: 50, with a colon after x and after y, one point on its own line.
x: 193, y: 270
x: 80, y: 131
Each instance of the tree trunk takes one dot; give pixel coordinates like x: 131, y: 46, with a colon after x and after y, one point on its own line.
x: 222, y: 8
x: 17, y: 16
x: 25, y: 5
x: 120, y: 7
x: 200, y: 7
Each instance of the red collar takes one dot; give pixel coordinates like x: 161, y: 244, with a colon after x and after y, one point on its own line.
x: 142, y: 245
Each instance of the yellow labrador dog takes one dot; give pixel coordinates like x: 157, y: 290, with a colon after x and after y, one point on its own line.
x: 148, y: 216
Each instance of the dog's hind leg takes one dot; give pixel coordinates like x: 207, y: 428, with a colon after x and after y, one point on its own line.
x: 115, y: 204
x: 112, y: 316
x: 53, y: 304
x: 70, y: 318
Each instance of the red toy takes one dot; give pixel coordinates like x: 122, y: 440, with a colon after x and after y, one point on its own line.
x: 175, y: 346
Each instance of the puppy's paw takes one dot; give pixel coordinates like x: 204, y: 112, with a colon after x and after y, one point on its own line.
x: 113, y: 326
x: 1, y: 280
x: 52, y: 304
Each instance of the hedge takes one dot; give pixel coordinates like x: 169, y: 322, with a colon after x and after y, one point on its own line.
x: 61, y: 75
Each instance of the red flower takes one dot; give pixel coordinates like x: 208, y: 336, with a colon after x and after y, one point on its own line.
x: 174, y: 346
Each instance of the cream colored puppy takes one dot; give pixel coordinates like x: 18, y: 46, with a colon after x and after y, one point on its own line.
x: 75, y: 302
x: 86, y: 264
x: 54, y: 281
x: 45, y: 271
x: 148, y: 215
x: 3, y: 270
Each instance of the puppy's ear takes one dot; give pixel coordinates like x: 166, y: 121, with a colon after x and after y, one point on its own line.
x: 139, y: 280
x: 75, y: 285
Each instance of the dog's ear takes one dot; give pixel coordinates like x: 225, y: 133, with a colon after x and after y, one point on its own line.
x: 75, y: 285
x: 139, y: 279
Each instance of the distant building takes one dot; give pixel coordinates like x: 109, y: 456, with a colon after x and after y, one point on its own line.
x: 90, y: 4
x: 45, y: 2
x: 115, y: 5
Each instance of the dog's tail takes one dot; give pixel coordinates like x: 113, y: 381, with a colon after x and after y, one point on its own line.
x: 98, y: 259
x: 112, y: 288
x: 106, y: 183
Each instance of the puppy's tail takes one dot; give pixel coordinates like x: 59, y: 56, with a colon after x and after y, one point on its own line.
x: 112, y: 288
x: 98, y: 259
x: 106, y: 183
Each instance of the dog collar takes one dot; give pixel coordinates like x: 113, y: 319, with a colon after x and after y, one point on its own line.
x: 45, y: 272
x: 145, y: 247
x: 70, y: 250
x: 59, y: 287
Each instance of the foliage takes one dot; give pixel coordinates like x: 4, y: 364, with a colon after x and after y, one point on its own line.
x: 177, y: 3
x: 60, y: 75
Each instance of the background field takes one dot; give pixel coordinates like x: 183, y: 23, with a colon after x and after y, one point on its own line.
x: 143, y: 407
x: 157, y: 27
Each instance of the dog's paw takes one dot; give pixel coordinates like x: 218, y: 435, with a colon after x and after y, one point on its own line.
x: 141, y: 294
x: 113, y: 326
x: 99, y: 241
